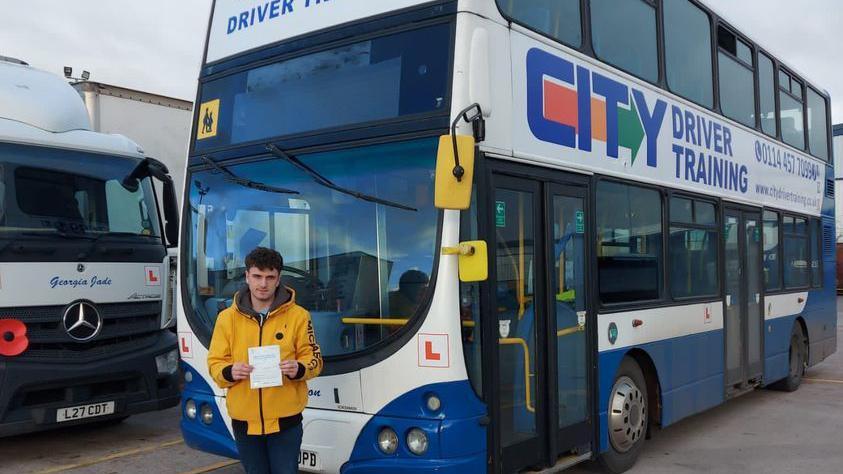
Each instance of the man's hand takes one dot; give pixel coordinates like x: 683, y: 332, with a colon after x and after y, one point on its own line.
x: 241, y: 371
x: 289, y: 368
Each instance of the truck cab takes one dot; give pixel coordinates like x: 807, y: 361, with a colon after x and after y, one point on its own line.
x: 86, y: 283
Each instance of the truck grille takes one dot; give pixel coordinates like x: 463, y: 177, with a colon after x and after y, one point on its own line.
x: 125, y: 327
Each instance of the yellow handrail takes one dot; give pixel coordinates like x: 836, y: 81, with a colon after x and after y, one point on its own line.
x: 517, y: 340
x: 503, y: 341
x: 570, y: 330
x: 521, y: 292
x: 561, y: 262
x: 375, y: 321
x: 390, y: 322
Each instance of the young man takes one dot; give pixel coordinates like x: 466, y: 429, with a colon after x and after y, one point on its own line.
x: 266, y: 421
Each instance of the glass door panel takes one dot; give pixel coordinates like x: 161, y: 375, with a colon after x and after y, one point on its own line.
x: 567, y: 285
x: 754, y: 304
x: 517, y: 314
x: 734, y: 297
x: 744, y: 299
x: 535, y: 313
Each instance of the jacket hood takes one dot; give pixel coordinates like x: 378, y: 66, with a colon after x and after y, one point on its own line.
x: 283, y: 297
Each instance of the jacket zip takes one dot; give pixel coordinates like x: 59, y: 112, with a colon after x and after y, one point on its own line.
x: 260, y: 390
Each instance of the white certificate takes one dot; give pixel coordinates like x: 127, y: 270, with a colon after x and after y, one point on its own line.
x: 266, y: 363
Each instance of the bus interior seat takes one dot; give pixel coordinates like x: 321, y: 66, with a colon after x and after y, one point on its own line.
x: 354, y: 284
x: 214, y: 305
x: 628, y: 278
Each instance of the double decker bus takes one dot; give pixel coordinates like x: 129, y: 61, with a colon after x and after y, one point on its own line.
x: 529, y: 233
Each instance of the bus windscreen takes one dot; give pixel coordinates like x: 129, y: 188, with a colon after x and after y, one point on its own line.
x: 384, y: 78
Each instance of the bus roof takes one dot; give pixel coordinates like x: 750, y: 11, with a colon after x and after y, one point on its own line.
x: 238, y: 26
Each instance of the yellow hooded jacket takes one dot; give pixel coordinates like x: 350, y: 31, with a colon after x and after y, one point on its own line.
x: 237, y: 329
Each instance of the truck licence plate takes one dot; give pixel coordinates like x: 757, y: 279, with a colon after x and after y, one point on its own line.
x: 309, y: 461
x: 84, y: 411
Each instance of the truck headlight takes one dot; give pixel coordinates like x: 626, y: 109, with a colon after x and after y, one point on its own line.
x: 417, y: 441
x: 168, y: 363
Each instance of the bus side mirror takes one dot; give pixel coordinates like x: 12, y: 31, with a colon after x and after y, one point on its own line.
x: 454, y: 174
x: 473, y: 260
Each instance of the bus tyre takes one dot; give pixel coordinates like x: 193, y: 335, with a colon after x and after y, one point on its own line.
x: 627, y: 418
x: 798, y: 361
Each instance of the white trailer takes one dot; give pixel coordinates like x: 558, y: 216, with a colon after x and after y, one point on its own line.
x: 161, y: 125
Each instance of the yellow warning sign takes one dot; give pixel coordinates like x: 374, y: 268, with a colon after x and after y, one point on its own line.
x: 208, y: 116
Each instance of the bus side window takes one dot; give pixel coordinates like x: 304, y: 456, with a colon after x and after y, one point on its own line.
x: 559, y: 19
x: 629, y: 245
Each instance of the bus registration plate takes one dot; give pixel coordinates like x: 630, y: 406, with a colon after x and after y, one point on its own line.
x: 308, y: 461
x: 84, y: 411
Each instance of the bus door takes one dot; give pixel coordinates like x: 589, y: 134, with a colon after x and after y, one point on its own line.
x: 537, y: 310
x: 743, y: 324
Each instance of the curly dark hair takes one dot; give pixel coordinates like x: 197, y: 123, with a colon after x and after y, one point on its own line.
x: 264, y: 259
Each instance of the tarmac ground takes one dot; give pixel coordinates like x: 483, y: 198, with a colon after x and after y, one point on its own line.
x: 764, y: 431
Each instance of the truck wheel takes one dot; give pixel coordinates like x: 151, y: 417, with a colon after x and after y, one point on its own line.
x: 627, y: 418
x: 798, y: 361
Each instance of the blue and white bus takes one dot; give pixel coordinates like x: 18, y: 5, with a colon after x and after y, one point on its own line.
x: 529, y: 233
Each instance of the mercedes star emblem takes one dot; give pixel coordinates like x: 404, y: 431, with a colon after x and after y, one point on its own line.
x: 82, y: 321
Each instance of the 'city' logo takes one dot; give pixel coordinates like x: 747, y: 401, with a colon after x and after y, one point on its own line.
x: 570, y: 105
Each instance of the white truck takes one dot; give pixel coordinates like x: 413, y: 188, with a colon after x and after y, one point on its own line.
x: 160, y: 124
x: 85, y: 294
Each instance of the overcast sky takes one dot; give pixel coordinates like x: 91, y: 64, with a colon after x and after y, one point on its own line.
x: 150, y: 45
x: 156, y: 45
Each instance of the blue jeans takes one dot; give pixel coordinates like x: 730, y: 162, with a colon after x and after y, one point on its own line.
x: 276, y: 453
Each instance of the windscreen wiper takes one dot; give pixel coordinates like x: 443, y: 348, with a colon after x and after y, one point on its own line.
x: 245, y: 182
x: 99, y: 237
x: 58, y: 233
x: 330, y: 184
x: 16, y: 246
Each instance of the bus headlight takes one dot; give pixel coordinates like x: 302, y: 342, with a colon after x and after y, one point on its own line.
x: 434, y: 403
x: 167, y: 363
x: 388, y: 441
x: 190, y: 409
x: 207, y: 414
x: 417, y: 441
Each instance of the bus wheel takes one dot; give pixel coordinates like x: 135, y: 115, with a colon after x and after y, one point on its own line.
x: 627, y: 420
x: 798, y: 361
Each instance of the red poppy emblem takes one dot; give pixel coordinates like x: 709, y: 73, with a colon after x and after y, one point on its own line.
x: 13, y: 340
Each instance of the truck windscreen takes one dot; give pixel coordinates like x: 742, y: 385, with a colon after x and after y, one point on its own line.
x: 48, y: 193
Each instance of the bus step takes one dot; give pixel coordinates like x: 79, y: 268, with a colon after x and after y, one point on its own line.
x: 563, y: 463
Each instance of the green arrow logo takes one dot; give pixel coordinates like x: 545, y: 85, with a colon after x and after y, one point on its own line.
x: 630, y: 130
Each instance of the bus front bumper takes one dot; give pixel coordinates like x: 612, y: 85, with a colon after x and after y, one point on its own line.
x: 465, y: 465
